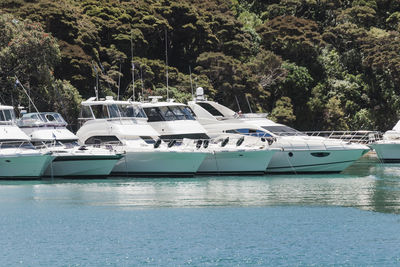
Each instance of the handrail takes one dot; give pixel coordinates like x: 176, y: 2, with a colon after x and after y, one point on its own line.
x: 17, y: 147
x: 192, y: 143
x: 363, y: 137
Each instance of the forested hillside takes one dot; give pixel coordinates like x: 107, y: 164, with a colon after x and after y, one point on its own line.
x: 311, y: 64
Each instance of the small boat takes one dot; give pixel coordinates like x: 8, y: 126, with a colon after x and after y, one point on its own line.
x: 228, y: 153
x: 48, y: 131
x: 123, y: 125
x: 388, y: 149
x: 18, y: 157
x: 299, y: 153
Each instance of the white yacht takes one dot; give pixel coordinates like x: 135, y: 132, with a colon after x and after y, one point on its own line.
x: 124, y: 125
x: 388, y: 149
x: 300, y: 153
x: 48, y: 130
x: 18, y: 158
x: 229, y: 154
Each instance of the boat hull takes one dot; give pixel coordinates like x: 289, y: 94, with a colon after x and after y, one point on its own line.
x: 23, y: 166
x: 82, y: 166
x: 387, y: 152
x: 159, y: 163
x: 236, y: 162
x: 313, y: 161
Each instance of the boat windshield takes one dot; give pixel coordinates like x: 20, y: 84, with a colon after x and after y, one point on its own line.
x: 134, y: 111
x: 7, y: 116
x: 169, y: 113
x: 37, y: 119
x: 282, y: 130
x: 16, y: 144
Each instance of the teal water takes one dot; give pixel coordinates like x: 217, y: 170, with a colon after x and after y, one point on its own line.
x: 348, y: 219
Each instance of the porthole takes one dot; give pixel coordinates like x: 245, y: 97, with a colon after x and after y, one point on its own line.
x: 320, y: 154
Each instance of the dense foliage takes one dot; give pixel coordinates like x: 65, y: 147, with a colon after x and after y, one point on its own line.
x: 314, y: 65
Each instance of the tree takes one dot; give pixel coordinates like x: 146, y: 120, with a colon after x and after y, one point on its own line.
x: 26, y: 52
x: 283, y: 111
x: 334, y: 115
x: 292, y: 38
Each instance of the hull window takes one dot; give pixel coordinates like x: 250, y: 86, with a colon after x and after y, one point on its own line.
x: 320, y: 154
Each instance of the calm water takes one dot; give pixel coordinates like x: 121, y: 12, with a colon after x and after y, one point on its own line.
x: 348, y: 219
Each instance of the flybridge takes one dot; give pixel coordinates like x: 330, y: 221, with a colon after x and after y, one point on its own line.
x: 108, y: 108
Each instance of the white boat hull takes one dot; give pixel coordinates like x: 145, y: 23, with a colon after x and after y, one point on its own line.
x: 319, y: 161
x: 82, y: 166
x: 159, y: 163
x: 388, y: 152
x: 236, y: 162
x: 24, y: 166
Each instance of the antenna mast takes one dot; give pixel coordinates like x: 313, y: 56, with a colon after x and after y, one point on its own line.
x: 166, y: 59
x: 141, y: 77
x: 191, y: 84
x: 17, y: 82
x: 248, y: 103
x: 133, y: 81
x: 133, y: 71
x: 237, y: 102
x: 96, y: 87
x: 119, y: 80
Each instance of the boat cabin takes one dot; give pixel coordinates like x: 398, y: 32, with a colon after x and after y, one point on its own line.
x: 7, y: 115
x: 109, y: 109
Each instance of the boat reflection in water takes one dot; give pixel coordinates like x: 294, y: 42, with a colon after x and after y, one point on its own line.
x: 368, y: 185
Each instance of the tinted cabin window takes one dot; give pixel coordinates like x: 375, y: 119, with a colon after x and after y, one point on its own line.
x: 210, y: 109
x: 250, y: 132
x: 131, y: 111
x: 188, y: 113
x: 101, y: 139
x: 86, y: 113
x: 9, y: 115
x: 50, y: 117
x: 114, y: 112
x: 167, y: 114
x: 100, y: 111
x: 137, y: 111
x: 2, y: 118
x: 153, y: 114
x: 177, y: 112
x: 58, y: 117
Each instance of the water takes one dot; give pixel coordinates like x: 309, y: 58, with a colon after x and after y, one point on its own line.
x: 348, y: 219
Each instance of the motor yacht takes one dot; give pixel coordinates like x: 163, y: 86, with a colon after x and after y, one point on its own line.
x: 48, y: 131
x: 228, y: 153
x: 18, y: 157
x: 388, y: 149
x: 300, y: 152
x: 123, y: 124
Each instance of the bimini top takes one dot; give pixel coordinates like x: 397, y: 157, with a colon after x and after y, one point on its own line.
x: 42, y: 119
x: 110, y: 109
